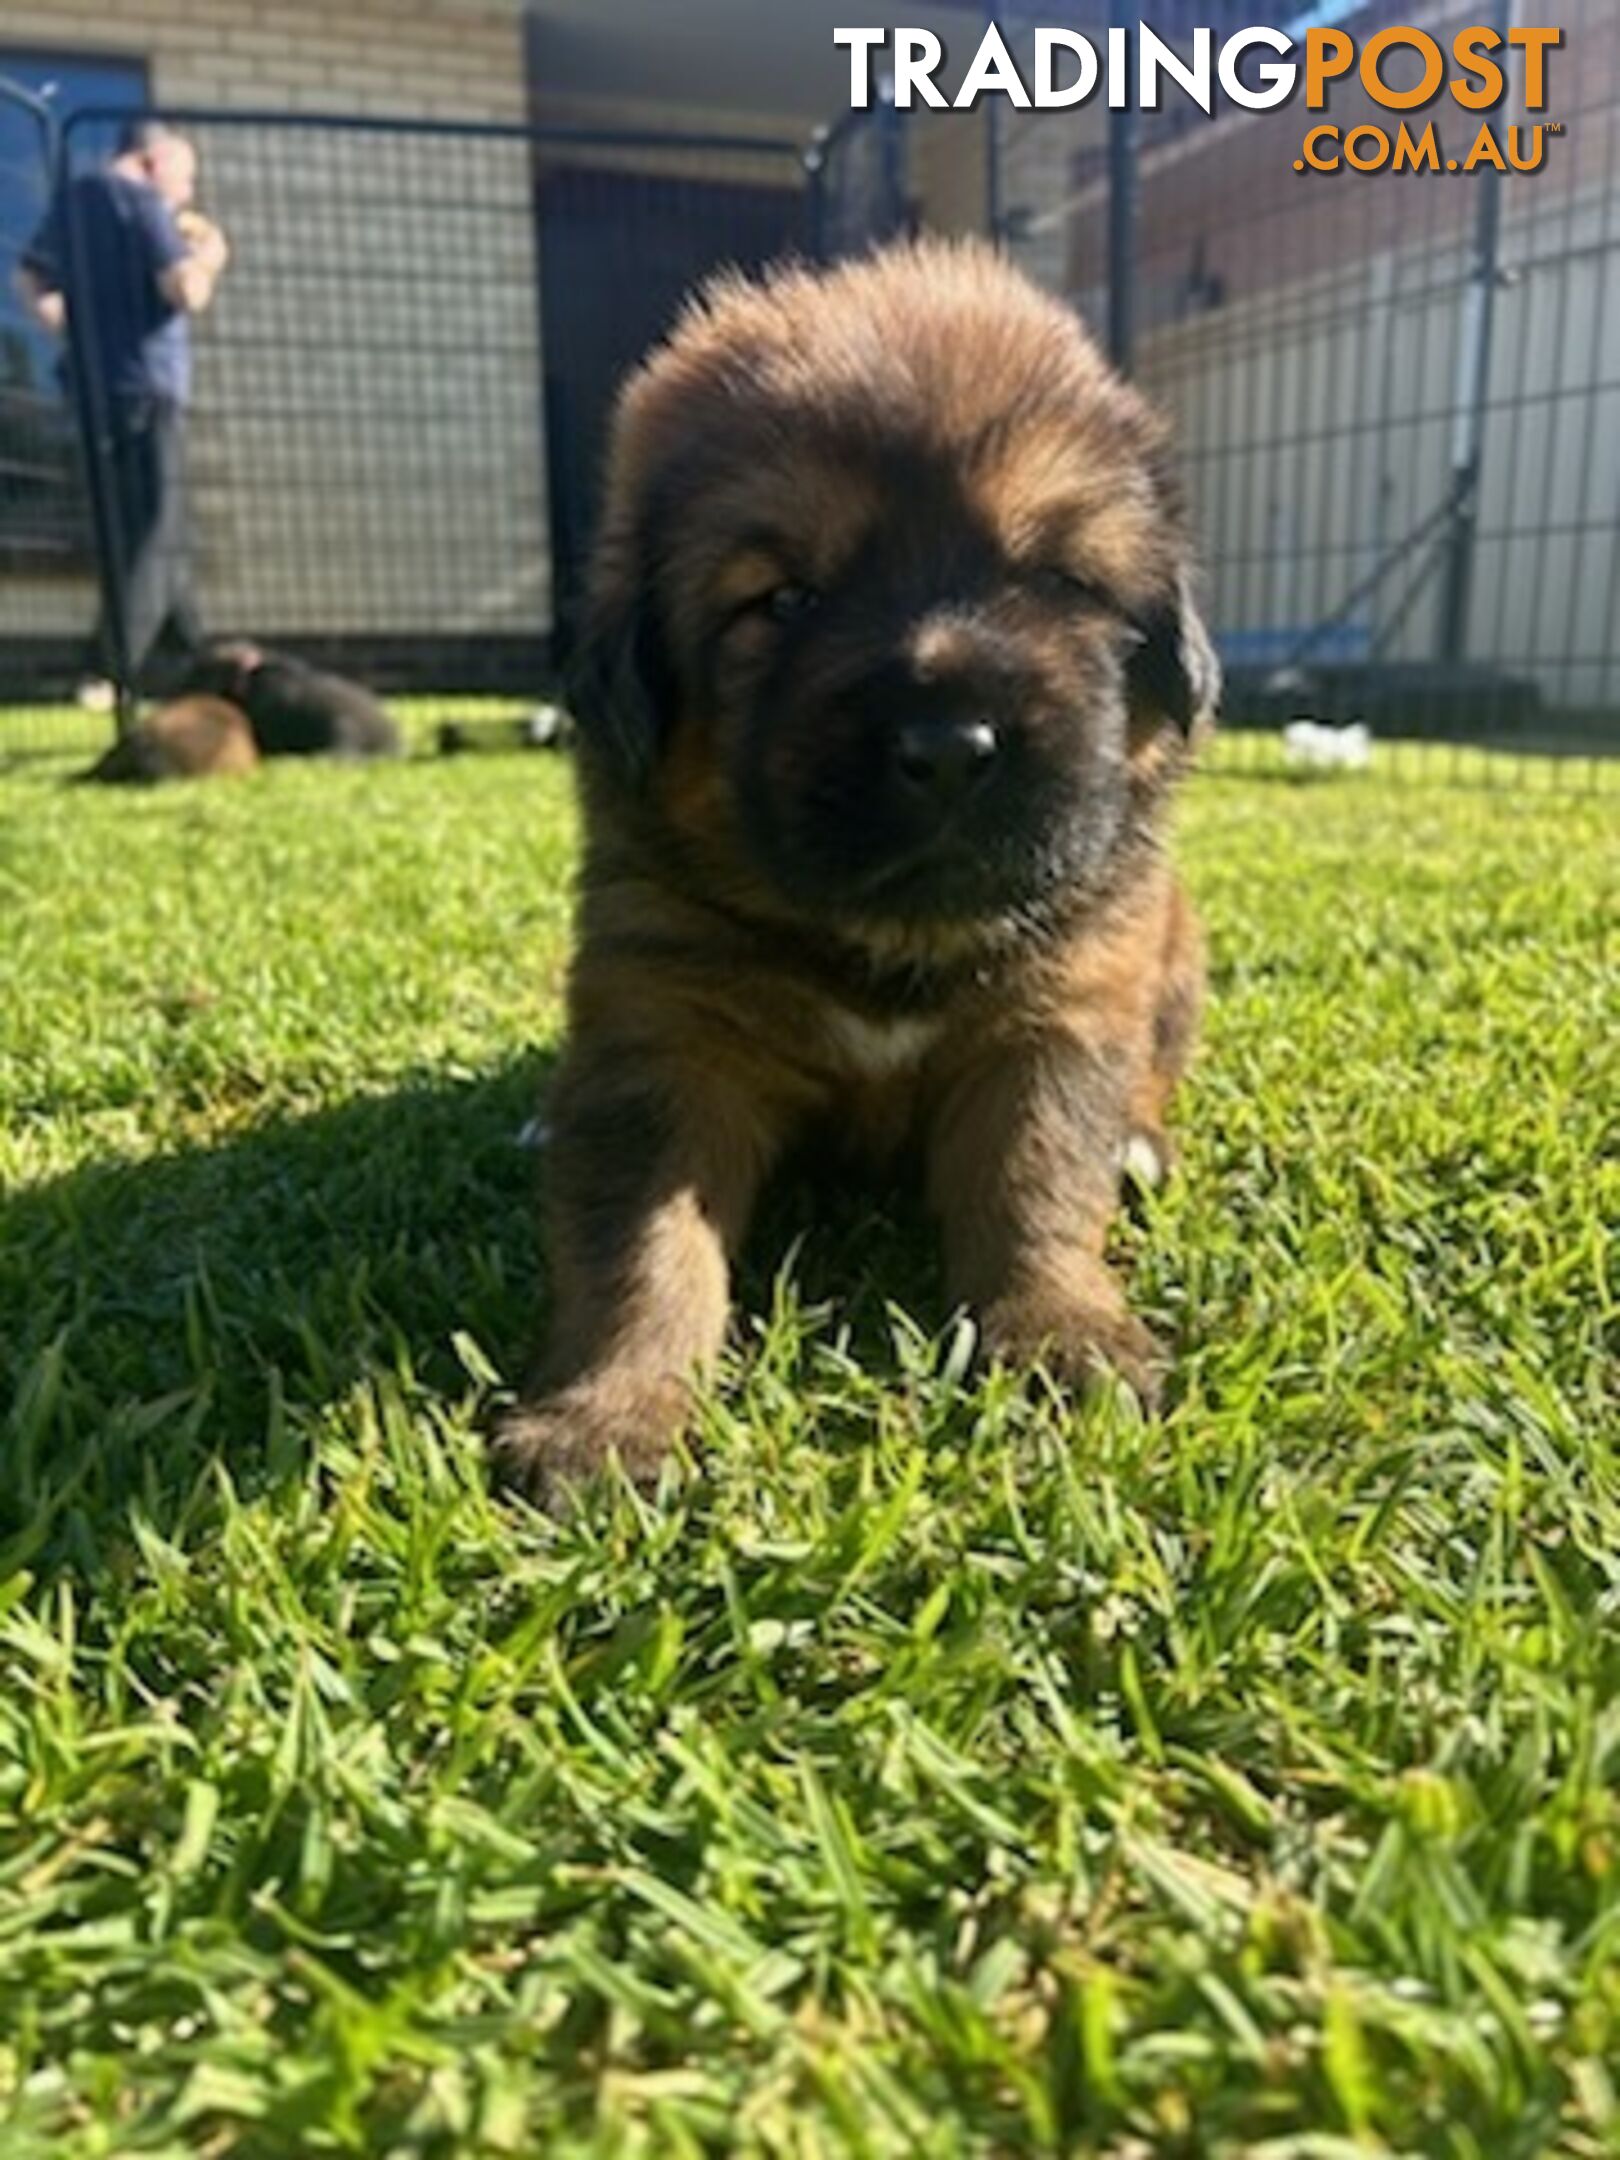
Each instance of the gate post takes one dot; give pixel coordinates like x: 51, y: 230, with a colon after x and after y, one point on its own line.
x: 891, y: 141
x: 1473, y: 382
x: 815, y: 188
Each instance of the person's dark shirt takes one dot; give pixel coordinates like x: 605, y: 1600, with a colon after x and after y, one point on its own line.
x: 135, y: 342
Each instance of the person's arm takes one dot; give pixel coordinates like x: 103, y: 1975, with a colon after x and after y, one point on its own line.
x: 188, y: 285
x: 37, y: 280
x: 44, y: 302
x: 188, y: 256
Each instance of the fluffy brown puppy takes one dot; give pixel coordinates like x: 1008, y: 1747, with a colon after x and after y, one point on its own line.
x: 192, y: 738
x: 889, y: 663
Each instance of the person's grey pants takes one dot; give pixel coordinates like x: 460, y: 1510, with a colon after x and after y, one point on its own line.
x: 151, y: 538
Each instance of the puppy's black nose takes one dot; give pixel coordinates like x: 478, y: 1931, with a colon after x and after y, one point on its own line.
x: 943, y: 758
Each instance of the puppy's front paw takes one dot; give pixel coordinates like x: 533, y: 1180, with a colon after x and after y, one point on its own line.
x: 1079, y: 1334
x: 552, y: 1449
x: 1147, y: 1159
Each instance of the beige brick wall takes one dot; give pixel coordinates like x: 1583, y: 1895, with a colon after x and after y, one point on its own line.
x: 451, y: 58
x: 367, y: 450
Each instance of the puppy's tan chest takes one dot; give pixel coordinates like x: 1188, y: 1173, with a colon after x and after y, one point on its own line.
x: 878, y: 1051
x: 871, y: 1070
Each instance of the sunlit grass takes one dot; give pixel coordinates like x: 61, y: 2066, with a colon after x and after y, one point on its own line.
x: 939, y: 1771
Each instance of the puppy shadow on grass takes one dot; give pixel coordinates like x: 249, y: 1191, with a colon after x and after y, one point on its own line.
x: 162, y: 1312
x: 166, y: 1312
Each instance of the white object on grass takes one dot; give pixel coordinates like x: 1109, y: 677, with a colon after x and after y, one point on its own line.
x: 1141, y: 1163
x: 1313, y: 747
x: 96, y: 695
x: 545, y: 725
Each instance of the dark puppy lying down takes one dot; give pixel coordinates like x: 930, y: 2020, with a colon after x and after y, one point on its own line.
x: 240, y: 703
x: 296, y: 710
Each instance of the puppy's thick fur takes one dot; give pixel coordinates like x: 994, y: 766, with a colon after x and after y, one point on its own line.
x: 296, y: 710
x: 890, y: 662
x: 191, y: 738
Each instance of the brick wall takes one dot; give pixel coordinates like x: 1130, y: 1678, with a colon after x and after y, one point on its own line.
x: 367, y: 448
x: 451, y: 58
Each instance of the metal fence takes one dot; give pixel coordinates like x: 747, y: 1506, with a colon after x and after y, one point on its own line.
x: 400, y: 395
x: 1396, y: 395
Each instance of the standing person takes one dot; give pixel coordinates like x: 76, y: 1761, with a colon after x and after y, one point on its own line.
x: 144, y: 263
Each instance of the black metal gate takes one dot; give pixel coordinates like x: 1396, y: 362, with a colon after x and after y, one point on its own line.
x: 402, y: 389
x: 47, y: 532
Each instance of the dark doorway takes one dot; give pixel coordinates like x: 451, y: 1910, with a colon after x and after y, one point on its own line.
x: 618, y: 252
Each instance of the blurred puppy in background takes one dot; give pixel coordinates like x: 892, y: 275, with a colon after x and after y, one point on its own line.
x: 192, y: 738
x: 296, y: 710
x: 284, y: 707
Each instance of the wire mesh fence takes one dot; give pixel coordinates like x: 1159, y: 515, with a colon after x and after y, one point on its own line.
x: 394, y: 419
x: 1394, y: 391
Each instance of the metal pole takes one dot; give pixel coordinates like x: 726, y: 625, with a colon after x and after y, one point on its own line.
x: 1122, y: 206
x: 891, y: 160
x: 1473, y: 382
x: 815, y: 185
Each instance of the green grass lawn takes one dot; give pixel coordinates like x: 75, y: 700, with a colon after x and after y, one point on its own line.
x: 945, y: 1770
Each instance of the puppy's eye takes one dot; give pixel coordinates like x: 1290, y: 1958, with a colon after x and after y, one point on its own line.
x: 1059, y: 583
x: 786, y: 603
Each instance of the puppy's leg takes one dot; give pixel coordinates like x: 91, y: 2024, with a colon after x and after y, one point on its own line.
x: 653, y: 1167
x: 1024, y: 1174
x: 1150, y: 1153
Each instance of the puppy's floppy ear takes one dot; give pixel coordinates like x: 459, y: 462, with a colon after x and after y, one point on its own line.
x: 1175, y: 675
x: 620, y: 690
